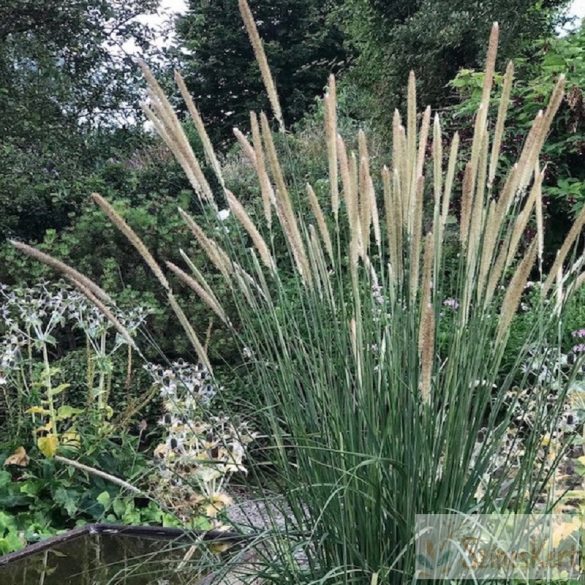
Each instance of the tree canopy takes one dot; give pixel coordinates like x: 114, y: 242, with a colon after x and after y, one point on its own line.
x: 64, y: 73
x: 302, y: 41
x: 436, y: 38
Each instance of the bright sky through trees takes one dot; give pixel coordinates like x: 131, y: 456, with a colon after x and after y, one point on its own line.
x: 577, y: 8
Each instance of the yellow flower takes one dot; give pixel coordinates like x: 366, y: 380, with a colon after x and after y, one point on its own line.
x: 216, y: 503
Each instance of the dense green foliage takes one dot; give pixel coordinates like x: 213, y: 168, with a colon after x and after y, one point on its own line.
x: 303, y: 43
x: 64, y: 73
x: 435, y: 38
x: 49, y: 497
x: 66, y: 62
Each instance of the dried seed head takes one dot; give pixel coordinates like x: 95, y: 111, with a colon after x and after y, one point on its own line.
x: 214, y: 252
x: 466, y: 204
x: 197, y: 345
x: 284, y: 207
x: 166, y: 122
x: 426, y: 335
x: 330, y: 102
x: 514, y: 292
x: 200, y: 127
x: 248, y: 224
x: 132, y: 237
x: 415, y: 243
x: 247, y: 148
x: 268, y: 198
x: 500, y: 122
x: 71, y: 274
x: 210, y: 300
x: 258, y: 48
x: 321, y: 223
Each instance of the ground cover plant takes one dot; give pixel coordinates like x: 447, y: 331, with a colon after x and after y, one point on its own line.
x: 57, y: 412
x: 77, y: 444
x: 375, y: 342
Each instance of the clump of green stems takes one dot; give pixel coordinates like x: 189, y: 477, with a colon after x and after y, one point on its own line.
x: 372, y: 420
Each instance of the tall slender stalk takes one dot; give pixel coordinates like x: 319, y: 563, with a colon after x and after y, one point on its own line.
x: 49, y: 388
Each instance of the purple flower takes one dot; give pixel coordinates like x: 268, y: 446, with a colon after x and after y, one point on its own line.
x: 579, y: 333
x: 579, y: 348
x: 451, y: 303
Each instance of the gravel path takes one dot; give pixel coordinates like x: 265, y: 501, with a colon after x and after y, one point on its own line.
x: 251, y: 513
x: 256, y: 513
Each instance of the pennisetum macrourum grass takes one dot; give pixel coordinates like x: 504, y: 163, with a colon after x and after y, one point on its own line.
x: 374, y: 409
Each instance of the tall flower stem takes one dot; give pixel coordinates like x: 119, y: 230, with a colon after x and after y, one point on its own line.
x: 49, y: 387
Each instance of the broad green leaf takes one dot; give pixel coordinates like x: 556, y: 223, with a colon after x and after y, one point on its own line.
x: 11, y: 542
x: 59, y: 389
x: 31, y: 488
x: 67, y: 499
x: 67, y: 411
x: 119, y: 507
x: 104, y: 499
x: 5, y: 478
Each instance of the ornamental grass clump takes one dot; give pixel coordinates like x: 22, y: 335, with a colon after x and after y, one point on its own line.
x: 376, y: 337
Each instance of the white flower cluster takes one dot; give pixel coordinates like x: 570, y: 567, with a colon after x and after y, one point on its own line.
x: 10, y: 352
x: 549, y: 367
x: 528, y: 406
x: 200, y: 451
x: 184, y: 384
x: 46, y: 306
x: 31, y: 315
